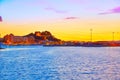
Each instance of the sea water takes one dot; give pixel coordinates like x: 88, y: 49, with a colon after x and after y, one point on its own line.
x: 60, y: 63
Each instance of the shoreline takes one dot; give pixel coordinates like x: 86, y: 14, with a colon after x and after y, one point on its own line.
x: 6, y: 46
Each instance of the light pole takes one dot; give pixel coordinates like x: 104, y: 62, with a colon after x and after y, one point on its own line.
x: 118, y: 36
x: 91, y: 34
x: 113, y: 35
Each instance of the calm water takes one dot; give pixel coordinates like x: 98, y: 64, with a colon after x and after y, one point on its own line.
x: 59, y: 63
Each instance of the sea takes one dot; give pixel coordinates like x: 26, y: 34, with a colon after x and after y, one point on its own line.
x: 59, y: 63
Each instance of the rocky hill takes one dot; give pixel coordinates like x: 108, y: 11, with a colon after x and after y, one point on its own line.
x: 32, y: 38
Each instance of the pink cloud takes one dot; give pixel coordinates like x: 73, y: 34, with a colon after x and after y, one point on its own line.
x: 55, y: 10
x: 48, y: 6
x: 0, y: 19
x: 111, y: 11
x: 71, y: 18
x: 117, y: 9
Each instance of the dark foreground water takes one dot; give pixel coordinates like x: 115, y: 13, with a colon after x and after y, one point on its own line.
x: 59, y: 63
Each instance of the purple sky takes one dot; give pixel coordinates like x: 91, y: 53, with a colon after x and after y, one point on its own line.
x: 68, y: 17
x: 17, y: 10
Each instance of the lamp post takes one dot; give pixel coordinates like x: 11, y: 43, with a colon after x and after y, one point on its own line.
x: 118, y: 36
x: 91, y: 35
x: 113, y: 35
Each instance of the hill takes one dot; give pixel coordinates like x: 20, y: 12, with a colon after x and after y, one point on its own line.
x: 31, y: 38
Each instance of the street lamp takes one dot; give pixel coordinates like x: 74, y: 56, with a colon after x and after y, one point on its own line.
x: 91, y: 34
x: 113, y: 35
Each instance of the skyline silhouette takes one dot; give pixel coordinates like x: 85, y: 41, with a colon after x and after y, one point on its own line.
x: 115, y: 36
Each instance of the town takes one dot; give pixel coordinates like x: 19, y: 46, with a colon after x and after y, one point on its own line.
x: 45, y: 38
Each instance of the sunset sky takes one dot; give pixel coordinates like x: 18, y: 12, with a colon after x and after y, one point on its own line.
x: 65, y: 19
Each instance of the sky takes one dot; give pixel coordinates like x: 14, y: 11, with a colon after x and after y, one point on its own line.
x: 65, y: 19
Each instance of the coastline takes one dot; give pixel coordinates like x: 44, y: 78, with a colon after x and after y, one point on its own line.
x: 7, y: 46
